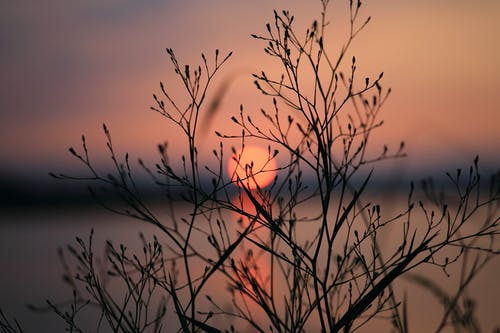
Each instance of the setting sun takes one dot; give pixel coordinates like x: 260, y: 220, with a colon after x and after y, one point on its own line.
x: 253, y: 165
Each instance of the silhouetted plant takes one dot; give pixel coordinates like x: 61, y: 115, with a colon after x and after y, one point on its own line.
x: 328, y: 272
x: 9, y: 325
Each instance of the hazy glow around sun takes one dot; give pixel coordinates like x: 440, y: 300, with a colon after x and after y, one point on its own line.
x: 252, y: 165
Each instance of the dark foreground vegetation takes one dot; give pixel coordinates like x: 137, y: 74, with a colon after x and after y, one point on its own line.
x: 281, y: 267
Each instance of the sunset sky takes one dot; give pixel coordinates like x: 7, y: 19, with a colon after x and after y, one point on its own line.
x: 67, y: 67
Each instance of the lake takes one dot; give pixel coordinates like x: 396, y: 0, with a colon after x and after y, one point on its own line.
x: 30, y: 271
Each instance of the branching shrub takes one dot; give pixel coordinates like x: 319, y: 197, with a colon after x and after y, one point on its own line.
x: 282, y: 269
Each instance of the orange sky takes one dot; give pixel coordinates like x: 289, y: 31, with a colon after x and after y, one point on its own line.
x: 66, y: 68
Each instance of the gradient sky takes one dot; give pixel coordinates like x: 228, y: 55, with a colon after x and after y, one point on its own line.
x: 67, y: 67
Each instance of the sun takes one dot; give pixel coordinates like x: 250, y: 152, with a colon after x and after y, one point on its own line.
x: 253, y: 165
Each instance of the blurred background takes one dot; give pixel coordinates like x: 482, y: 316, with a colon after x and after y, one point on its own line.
x: 67, y: 67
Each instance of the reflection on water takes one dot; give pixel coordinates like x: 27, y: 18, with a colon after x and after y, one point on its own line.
x: 31, y: 273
